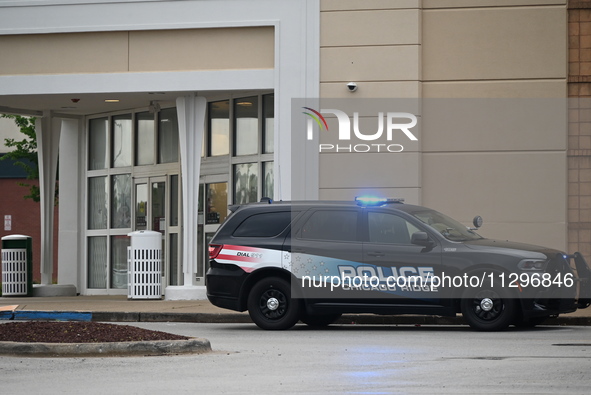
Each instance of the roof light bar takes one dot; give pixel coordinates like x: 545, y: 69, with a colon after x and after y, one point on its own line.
x: 374, y: 201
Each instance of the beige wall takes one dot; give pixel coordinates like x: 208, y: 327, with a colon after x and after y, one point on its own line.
x: 137, y: 51
x: 377, y: 45
x: 513, y: 173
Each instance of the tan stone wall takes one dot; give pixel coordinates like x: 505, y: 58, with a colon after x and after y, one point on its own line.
x: 138, y: 51
x: 579, y: 138
x: 515, y: 178
x: 376, y: 44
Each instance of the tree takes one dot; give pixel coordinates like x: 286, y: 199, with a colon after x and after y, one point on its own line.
x: 25, y: 152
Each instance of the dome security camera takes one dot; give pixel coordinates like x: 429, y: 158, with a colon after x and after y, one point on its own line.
x: 352, y: 86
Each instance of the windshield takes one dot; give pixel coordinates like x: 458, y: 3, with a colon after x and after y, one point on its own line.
x: 448, y: 227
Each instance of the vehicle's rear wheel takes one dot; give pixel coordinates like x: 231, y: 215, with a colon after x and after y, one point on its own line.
x: 319, y: 320
x: 488, y: 309
x: 270, y: 305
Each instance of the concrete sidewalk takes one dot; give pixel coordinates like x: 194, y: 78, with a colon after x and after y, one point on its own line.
x: 120, y: 309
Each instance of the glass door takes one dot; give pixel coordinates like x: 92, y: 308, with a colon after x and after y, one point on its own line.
x: 213, y: 210
x: 150, y: 210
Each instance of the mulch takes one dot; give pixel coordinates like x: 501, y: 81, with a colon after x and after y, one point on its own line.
x: 78, y: 332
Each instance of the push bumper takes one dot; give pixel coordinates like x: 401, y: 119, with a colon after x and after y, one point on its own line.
x: 584, y: 278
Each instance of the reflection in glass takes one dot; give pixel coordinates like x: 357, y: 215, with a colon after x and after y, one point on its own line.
x: 246, y: 112
x: 158, y: 207
x: 168, y: 136
x: 268, y: 181
x: 97, y: 203
x: 97, y: 262
x: 121, y: 201
x: 141, y: 206
x: 219, y: 128
x: 204, y: 250
x: 144, y: 139
x: 175, y: 270
x: 217, y: 203
x: 246, y: 178
x: 97, y: 143
x: 121, y: 143
x: 119, y: 246
x: 269, y: 124
x: 174, y: 200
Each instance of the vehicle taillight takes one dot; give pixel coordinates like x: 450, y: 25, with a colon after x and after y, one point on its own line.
x: 214, y: 250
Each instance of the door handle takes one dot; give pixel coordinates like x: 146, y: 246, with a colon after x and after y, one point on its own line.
x: 376, y: 254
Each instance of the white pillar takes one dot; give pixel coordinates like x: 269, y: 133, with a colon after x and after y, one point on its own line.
x: 191, y: 112
x: 69, y: 247
x: 47, y: 130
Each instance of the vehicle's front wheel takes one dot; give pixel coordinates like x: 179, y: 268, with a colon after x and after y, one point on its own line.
x: 488, y: 309
x: 270, y: 305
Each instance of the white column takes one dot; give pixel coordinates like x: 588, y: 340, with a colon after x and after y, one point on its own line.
x: 47, y: 130
x: 69, y: 247
x: 191, y: 112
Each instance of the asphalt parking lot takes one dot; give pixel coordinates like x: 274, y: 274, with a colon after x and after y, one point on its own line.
x: 369, y: 359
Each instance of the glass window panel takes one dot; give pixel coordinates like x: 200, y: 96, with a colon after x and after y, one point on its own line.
x: 269, y: 124
x: 331, y: 225
x: 97, y: 203
x: 144, y: 139
x: 388, y: 229
x: 141, y: 206
x: 201, y: 257
x: 97, y: 144
x: 217, y: 203
x: 219, y: 128
x: 97, y: 262
x: 174, y: 200
x: 269, y: 180
x: 201, y: 198
x: 158, y: 206
x: 121, y: 201
x: 121, y: 143
x: 119, y: 246
x: 246, y: 179
x: 246, y: 112
x: 168, y: 136
x: 175, y: 270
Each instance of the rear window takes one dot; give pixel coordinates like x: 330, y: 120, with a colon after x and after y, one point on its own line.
x: 264, y: 224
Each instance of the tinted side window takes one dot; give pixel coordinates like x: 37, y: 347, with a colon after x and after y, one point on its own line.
x: 336, y: 225
x: 389, y: 229
x: 264, y: 224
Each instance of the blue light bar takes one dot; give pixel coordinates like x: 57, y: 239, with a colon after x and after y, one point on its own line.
x: 374, y: 201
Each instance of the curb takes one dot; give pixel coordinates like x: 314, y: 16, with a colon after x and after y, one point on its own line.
x: 146, y: 348
x: 238, y: 318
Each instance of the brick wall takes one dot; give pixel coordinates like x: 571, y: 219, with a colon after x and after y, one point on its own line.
x: 26, y: 220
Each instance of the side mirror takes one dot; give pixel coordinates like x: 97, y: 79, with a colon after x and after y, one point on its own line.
x: 421, y: 239
x: 477, y: 221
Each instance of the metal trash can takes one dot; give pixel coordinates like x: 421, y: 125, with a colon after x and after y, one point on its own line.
x: 144, y: 264
x: 17, y: 265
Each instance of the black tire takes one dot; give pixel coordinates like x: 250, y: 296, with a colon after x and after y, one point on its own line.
x: 488, y: 309
x: 270, y: 305
x: 321, y: 320
x: 530, y: 322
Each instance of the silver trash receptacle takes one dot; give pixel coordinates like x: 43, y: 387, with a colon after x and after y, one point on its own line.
x: 144, y: 264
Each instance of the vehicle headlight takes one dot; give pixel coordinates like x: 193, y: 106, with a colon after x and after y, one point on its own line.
x: 532, y: 264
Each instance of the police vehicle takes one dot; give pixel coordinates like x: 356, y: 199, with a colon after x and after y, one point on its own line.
x: 315, y: 260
